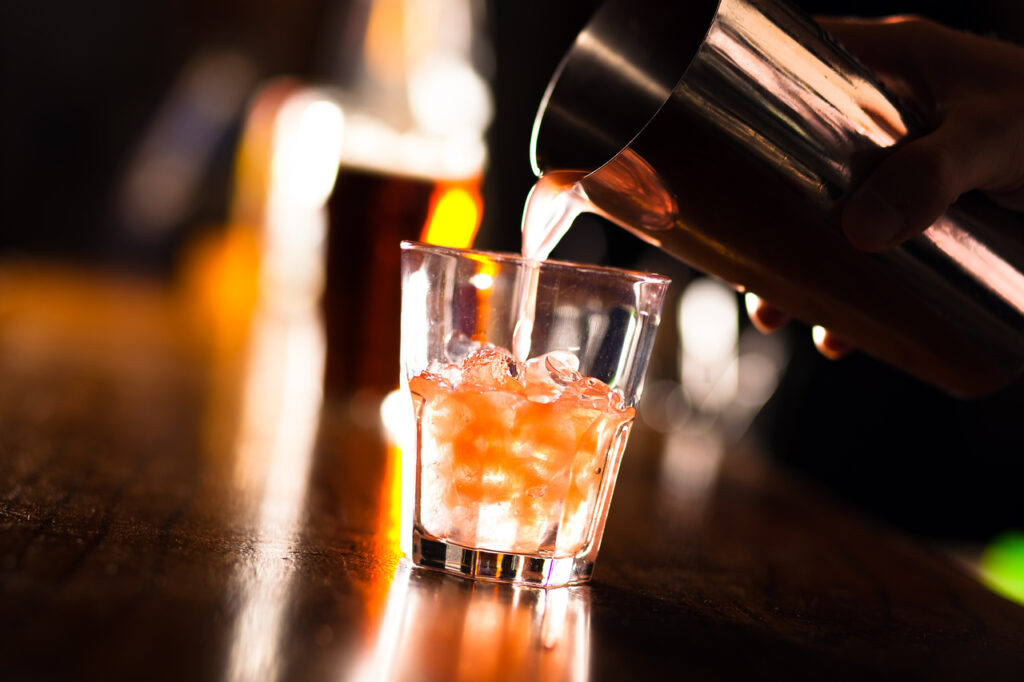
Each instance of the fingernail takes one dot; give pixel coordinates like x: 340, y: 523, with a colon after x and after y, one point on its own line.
x: 871, y: 223
x: 828, y: 344
x: 766, y: 318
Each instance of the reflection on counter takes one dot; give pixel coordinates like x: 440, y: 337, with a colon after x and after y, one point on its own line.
x: 273, y: 452
x: 257, y: 306
x: 437, y: 627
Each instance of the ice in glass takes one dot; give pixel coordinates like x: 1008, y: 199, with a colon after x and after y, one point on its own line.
x: 511, y: 454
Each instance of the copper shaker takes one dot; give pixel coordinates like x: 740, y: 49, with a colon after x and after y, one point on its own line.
x: 728, y: 133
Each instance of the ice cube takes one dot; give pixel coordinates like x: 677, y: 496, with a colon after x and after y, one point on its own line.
x: 595, y: 394
x: 562, y: 366
x: 462, y: 520
x: 536, y: 522
x: 582, y: 418
x: 448, y: 371
x: 572, y: 531
x: 539, y: 512
x: 459, y: 346
x: 435, y: 492
x: 429, y: 385
x: 543, y: 437
x: 496, y: 526
x: 547, y: 375
x: 435, y: 453
x: 503, y: 407
x: 446, y: 417
x: 491, y: 368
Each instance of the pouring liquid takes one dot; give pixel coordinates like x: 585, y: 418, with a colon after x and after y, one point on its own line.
x: 559, y: 197
x: 808, y: 270
x: 554, y: 202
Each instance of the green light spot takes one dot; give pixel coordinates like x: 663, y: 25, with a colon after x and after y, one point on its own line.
x: 1002, y: 566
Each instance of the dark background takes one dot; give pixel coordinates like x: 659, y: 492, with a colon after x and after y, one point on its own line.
x: 82, y: 83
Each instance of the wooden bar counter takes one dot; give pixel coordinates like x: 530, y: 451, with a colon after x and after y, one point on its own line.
x: 179, y: 501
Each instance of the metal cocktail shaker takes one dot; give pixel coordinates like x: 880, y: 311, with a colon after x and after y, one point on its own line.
x: 728, y: 132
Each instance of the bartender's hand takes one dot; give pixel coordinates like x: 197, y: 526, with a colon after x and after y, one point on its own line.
x: 972, y: 92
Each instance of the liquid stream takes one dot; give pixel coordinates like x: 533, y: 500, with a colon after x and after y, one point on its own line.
x: 555, y: 201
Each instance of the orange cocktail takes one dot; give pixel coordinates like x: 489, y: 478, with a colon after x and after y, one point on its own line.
x: 512, y: 455
x: 524, y: 378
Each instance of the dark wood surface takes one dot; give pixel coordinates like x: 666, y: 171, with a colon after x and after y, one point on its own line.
x: 177, y: 502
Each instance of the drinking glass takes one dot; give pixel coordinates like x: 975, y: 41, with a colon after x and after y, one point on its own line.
x: 524, y: 378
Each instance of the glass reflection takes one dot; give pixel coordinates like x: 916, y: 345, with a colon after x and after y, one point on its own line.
x: 437, y: 627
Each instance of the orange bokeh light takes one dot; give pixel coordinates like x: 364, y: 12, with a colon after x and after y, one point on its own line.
x: 454, y: 217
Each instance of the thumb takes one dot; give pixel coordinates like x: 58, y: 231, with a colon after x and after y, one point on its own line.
x: 907, y: 192
x: 971, y: 149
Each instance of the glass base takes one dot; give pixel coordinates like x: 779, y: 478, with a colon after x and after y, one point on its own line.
x: 482, y: 564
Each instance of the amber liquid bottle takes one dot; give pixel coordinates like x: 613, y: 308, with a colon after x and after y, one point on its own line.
x: 369, y: 214
x: 396, y: 166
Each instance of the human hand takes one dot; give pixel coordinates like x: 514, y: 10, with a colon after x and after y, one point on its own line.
x: 971, y: 91
x: 767, y: 318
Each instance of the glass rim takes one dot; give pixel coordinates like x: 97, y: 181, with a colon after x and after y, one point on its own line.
x: 515, y: 258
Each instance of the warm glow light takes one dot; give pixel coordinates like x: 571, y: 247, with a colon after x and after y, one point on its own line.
x: 390, y: 526
x: 399, y: 424
x: 307, y: 149
x: 482, y: 281
x: 399, y: 430
x: 818, y: 334
x: 709, y: 324
x: 709, y: 329
x: 309, y: 132
x: 393, y: 415
x: 447, y: 97
x: 374, y: 145
x: 454, y: 216
x: 415, y: 320
x: 385, y: 36
x: 253, y: 166
x: 220, y: 278
x: 420, y: 105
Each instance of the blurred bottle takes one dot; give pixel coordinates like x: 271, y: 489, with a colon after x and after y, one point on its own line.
x: 413, y: 153
x: 173, y: 183
x: 331, y: 177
